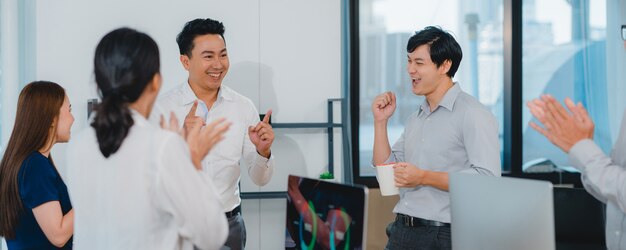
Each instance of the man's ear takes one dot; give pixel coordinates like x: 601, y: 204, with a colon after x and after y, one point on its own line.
x: 184, y: 60
x: 445, y: 67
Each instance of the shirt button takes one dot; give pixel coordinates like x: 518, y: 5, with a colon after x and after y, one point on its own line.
x: 423, y: 140
x: 617, y: 233
x: 428, y: 119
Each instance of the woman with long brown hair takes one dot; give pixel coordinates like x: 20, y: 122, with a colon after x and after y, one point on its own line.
x: 36, y: 212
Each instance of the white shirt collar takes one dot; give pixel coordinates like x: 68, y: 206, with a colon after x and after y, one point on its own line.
x: 188, y: 96
x: 138, y: 118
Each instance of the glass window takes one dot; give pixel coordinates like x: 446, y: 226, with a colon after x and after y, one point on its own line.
x: 564, y: 54
x: 385, y: 27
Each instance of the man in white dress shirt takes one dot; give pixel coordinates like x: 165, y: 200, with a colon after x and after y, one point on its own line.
x: 202, y: 99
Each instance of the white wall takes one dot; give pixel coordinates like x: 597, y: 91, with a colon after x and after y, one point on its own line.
x: 284, y: 54
x: 8, y: 68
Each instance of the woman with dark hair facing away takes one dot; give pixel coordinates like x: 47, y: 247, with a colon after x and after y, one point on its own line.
x: 135, y: 185
x: 35, y: 209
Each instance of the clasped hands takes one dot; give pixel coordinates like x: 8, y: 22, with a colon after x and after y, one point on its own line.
x: 564, y: 129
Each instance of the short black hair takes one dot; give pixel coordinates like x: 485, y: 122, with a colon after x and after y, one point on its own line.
x: 442, y: 47
x: 197, y: 27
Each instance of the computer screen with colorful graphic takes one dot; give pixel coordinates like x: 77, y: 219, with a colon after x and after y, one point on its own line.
x: 325, y: 215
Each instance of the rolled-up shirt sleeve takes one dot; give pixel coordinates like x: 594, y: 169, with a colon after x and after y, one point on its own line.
x: 260, y: 169
x: 604, y: 179
x: 480, y: 135
x: 397, y: 151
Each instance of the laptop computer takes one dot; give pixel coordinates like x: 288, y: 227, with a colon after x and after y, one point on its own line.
x: 325, y: 215
x: 494, y: 213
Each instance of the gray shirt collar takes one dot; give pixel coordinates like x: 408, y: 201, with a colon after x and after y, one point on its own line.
x: 447, y: 101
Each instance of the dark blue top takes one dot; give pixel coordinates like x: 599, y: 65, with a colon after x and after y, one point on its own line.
x: 38, y: 182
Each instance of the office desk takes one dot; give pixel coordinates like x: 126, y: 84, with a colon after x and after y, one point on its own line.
x: 579, y: 220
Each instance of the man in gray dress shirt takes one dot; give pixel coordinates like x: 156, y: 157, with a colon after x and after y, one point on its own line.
x: 450, y: 132
x: 604, y: 177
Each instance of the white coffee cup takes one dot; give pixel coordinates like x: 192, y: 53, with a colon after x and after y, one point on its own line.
x: 386, y: 179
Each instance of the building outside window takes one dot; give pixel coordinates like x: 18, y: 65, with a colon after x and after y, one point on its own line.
x: 565, y: 55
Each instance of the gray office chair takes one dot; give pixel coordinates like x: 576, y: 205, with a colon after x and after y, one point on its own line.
x: 579, y: 220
